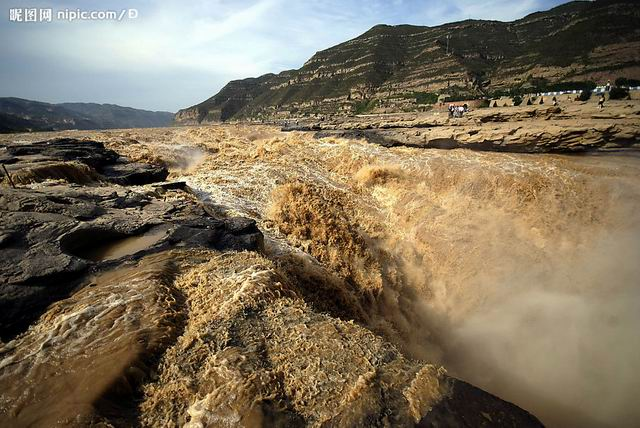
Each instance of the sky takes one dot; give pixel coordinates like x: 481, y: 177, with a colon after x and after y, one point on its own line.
x: 175, y: 53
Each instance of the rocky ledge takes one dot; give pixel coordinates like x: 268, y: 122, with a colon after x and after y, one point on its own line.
x: 54, y: 234
x: 529, y: 129
x: 75, y: 161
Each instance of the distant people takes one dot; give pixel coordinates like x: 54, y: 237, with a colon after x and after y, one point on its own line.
x: 601, y: 101
x: 456, y: 111
x: 555, y: 101
x: 465, y: 107
x: 608, y: 87
x: 541, y: 100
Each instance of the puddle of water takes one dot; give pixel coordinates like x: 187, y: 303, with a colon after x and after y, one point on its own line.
x: 130, y: 245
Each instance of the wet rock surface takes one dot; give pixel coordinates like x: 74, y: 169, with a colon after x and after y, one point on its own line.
x: 104, y: 164
x: 468, y: 406
x: 91, y: 153
x: 47, y: 233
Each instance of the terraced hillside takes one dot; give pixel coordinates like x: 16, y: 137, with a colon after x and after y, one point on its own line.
x: 403, y: 67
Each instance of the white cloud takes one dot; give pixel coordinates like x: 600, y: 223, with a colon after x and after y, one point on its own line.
x: 501, y: 10
x: 215, y: 41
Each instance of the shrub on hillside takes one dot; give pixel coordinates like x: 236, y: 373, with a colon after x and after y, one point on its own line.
x: 426, y: 98
x: 572, y: 86
x: 364, y: 106
x: 584, y: 96
x: 618, y: 93
x: 623, y: 81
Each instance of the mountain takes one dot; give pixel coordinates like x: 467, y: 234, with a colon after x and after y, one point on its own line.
x: 20, y: 115
x: 402, y: 67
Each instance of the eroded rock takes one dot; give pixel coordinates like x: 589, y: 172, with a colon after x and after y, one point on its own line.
x: 75, y: 161
x: 517, y: 130
x: 52, y: 236
x: 45, y: 232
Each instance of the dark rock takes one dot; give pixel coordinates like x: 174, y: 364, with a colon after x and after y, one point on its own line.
x: 46, y: 236
x: 218, y: 235
x: 91, y: 153
x: 52, y: 237
x: 470, y: 407
x: 443, y: 143
x: 174, y: 185
x: 134, y: 173
x: 106, y: 162
x: 296, y: 127
x: 6, y: 237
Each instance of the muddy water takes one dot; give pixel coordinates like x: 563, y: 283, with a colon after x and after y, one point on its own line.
x: 118, y: 248
x: 518, y: 273
x: 88, y: 353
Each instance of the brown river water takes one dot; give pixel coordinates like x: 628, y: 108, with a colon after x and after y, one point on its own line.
x: 517, y: 273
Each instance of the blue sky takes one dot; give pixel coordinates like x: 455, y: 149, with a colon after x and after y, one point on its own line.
x: 178, y: 53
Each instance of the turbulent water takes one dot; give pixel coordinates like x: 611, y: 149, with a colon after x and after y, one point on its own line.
x: 89, y: 349
x: 518, y: 273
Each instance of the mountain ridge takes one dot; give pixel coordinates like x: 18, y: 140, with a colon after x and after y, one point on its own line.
x: 23, y: 115
x: 387, y: 65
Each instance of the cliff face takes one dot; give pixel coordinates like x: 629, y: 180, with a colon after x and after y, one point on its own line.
x: 226, y: 103
x: 391, y: 66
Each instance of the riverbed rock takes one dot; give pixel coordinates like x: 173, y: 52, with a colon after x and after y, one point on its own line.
x: 526, y: 129
x: 64, y: 158
x: 45, y: 231
x: 532, y: 136
x: 49, y: 232
x: 468, y: 406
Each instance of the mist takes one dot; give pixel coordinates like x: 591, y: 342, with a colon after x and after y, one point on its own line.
x: 518, y: 274
x: 564, y: 348
x: 533, y: 299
